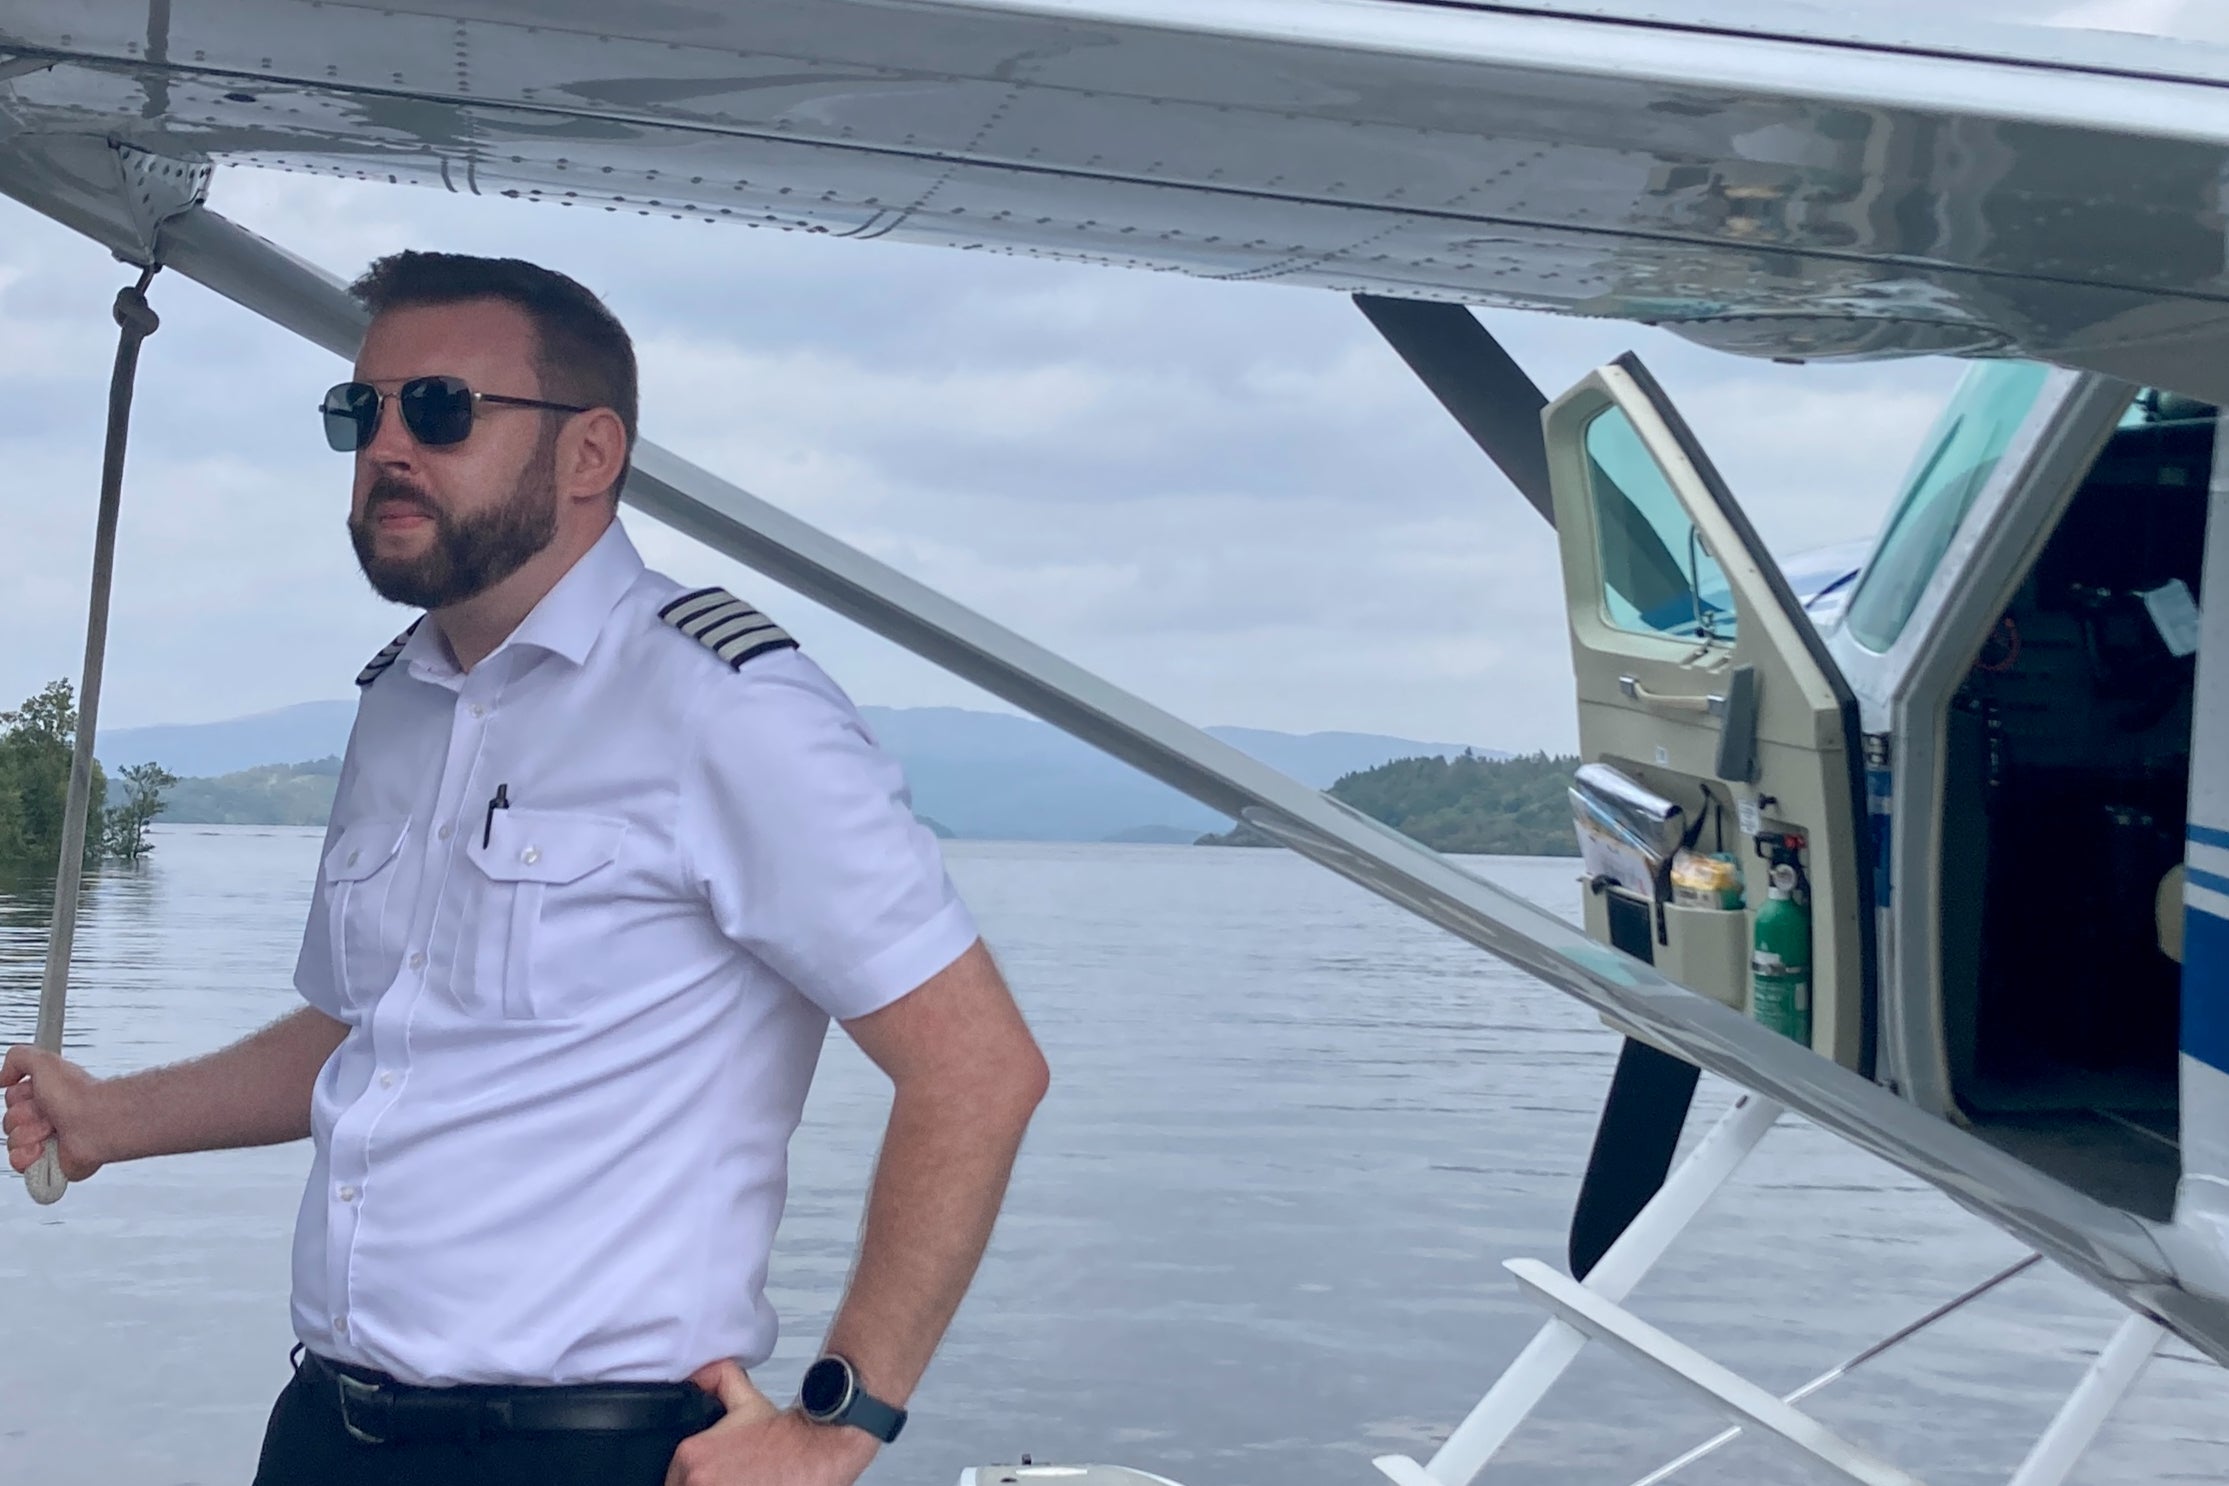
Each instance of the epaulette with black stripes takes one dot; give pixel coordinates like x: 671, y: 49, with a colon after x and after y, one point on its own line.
x: 725, y: 625
x: 377, y: 666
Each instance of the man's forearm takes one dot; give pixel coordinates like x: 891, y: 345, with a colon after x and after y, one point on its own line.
x: 937, y: 1188
x: 255, y: 1092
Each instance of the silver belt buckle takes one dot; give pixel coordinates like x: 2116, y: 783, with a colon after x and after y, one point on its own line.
x: 355, y: 1390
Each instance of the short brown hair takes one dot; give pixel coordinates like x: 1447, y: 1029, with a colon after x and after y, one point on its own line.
x: 582, y: 355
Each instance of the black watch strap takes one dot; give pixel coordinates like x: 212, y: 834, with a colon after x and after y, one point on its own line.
x: 882, y: 1420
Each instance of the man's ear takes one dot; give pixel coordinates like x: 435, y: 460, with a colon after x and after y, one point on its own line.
x: 592, y: 455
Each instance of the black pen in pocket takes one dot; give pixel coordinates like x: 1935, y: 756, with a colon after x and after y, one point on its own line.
x: 502, y: 801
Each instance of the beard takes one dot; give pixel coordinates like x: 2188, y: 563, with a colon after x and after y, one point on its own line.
x: 469, y: 554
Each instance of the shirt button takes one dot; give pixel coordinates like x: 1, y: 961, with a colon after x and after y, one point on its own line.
x: 386, y: 1080
x: 418, y: 962
x: 447, y: 830
x: 479, y: 710
x: 340, y: 1325
x: 531, y: 855
x: 354, y: 857
x: 348, y: 1194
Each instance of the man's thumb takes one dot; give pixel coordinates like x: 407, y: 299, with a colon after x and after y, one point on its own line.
x: 734, y: 1389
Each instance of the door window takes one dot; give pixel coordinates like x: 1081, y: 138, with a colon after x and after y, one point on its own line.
x: 1990, y: 405
x: 1658, y: 578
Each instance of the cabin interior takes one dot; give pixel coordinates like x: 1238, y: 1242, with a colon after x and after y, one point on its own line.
x: 2067, y: 769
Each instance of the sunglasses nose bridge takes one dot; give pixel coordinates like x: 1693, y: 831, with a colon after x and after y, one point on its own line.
x: 386, y: 433
x: 382, y: 426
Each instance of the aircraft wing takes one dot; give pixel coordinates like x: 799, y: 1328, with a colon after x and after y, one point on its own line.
x: 1777, y: 179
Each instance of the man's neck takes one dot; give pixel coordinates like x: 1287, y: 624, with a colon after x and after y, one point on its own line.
x: 478, y: 625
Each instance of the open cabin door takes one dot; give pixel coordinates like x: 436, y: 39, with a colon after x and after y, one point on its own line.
x: 1701, y: 679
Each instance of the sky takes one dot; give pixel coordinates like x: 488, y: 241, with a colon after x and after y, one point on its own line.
x: 1231, y: 499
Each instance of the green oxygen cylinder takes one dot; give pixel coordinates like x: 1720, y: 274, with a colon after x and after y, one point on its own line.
x: 1780, y: 960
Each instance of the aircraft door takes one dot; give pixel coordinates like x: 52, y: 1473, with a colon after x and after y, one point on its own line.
x: 1702, y: 681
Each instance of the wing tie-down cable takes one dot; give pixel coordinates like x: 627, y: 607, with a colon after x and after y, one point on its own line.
x: 136, y: 321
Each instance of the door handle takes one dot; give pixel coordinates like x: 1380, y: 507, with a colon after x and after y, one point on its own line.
x: 1657, y: 701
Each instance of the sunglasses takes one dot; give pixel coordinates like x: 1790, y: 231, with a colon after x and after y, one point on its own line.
x: 436, y: 410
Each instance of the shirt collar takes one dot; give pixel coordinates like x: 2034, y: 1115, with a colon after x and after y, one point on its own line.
x: 567, y: 620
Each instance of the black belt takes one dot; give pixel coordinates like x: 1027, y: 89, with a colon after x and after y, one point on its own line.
x: 378, y: 1410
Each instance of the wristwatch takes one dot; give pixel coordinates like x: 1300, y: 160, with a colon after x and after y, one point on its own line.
x: 831, y: 1395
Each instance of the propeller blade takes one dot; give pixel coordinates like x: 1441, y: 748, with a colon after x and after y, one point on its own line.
x: 1633, y: 1147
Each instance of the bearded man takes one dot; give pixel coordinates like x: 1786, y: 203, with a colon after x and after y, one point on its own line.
x: 607, y: 855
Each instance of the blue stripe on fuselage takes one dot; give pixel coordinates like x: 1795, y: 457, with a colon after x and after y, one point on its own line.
x: 2206, y: 988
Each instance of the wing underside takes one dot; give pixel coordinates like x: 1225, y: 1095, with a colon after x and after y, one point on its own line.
x: 1788, y: 195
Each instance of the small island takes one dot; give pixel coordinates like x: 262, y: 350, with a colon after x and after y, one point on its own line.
x: 1467, y: 805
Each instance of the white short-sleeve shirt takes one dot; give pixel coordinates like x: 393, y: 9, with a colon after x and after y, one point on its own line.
x: 586, y: 911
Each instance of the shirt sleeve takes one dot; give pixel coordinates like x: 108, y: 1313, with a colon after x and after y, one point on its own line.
x: 800, y: 834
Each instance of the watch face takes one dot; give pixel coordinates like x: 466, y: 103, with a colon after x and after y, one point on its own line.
x: 826, y: 1389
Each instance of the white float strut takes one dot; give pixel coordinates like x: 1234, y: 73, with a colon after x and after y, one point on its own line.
x: 1527, y: 1380
x: 2102, y: 1388
x: 1841, y: 1370
x: 1609, y: 1322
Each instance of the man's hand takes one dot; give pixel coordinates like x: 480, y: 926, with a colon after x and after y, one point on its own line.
x: 758, y: 1444
x: 47, y: 1096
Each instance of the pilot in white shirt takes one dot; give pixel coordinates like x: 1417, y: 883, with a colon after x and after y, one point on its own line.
x: 587, y: 910
x: 607, y: 855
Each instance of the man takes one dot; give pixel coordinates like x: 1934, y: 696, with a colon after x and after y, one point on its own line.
x: 606, y: 857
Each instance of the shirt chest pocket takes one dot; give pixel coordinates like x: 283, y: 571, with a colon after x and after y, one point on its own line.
x: 531, y: 943
x: 368, y: 918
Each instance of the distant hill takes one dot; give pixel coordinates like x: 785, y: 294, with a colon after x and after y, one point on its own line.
x: 988, y: 774
x: 1482, y: 806
x: 978, y: 774
x: 266, y: 795
x: 307, y: 730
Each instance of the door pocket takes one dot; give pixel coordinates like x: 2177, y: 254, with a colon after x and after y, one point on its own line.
x: 526, y: 855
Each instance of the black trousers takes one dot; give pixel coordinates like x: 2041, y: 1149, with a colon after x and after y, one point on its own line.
x: 306, y: 1444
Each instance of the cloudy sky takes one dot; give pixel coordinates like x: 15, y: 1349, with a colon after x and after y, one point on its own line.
x: 1229, y: 498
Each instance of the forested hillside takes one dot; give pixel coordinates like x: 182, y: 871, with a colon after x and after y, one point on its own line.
x: 1461, y: 805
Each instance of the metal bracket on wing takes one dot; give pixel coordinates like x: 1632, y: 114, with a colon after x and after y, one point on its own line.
x: 120, y: 194
x: 157, y: 189
x: 2110, y: 1248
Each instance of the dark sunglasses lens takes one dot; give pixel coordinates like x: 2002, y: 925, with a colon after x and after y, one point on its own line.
x: 351, y: 413
x: 438, y: 410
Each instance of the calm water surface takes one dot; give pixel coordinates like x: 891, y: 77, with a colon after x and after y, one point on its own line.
x: 1254, y: 1239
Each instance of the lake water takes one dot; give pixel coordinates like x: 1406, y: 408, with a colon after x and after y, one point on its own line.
x: 1254, y: 1239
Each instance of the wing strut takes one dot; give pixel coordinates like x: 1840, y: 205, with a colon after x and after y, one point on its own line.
x: 1465, y: 367
x: 2115, y: 1251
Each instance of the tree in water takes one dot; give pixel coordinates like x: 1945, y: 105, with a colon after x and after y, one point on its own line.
x: 36, y: 743
x: 124, y: 826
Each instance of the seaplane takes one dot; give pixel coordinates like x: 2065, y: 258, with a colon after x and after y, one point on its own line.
x: 1984, y: 772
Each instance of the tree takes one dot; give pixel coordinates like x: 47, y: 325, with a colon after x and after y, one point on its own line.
x: 124, y: 826
x: 35, y: 746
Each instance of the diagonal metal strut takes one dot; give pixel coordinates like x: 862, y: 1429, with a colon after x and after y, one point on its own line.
x: 1480, y: 384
